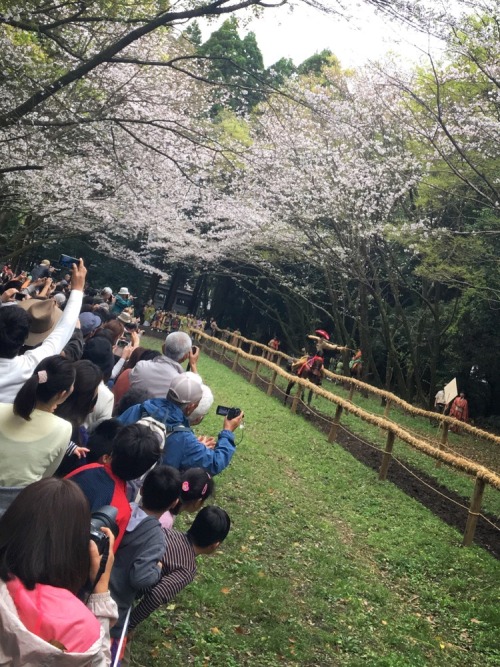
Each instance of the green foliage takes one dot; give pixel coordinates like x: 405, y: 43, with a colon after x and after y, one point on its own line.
x: 193, y: 33
x: 281, y: 71
x: 237, y: 63
x: 315, y: 64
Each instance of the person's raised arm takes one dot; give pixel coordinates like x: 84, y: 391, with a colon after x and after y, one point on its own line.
x: 56, y: 341
x: 194, y: 355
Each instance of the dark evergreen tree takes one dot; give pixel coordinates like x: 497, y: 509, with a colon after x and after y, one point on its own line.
x: 280, y: 72
x: 193, y: 33
x: 236, y: 63
x: 315, y: 64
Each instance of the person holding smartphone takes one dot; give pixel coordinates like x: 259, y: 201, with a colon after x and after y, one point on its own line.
x: 15, y: 331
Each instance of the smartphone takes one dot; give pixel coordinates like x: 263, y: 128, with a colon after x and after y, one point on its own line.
x: 194, y: 349
x: 19, y: 296
x: 67, y: 261
x: 122, y: 343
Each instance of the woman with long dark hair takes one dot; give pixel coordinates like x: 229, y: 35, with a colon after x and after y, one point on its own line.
x: 33, y: 440
x: 76, y: 409
x: 46, y: 557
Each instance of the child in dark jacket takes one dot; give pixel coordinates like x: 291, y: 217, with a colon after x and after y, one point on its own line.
x: 138, y: 560
x: 135, y: 450
x: 206, y: 533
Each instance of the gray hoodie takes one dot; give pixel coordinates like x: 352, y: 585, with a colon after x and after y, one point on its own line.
x: 136, y: 562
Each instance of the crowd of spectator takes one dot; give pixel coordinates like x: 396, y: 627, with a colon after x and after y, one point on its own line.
x: 95, y: 427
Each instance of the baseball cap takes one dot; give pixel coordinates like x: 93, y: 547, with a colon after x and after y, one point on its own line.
x: 185, y: 389
x: 89, y: 323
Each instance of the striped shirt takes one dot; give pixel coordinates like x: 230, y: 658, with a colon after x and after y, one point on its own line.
x: 178, y: 570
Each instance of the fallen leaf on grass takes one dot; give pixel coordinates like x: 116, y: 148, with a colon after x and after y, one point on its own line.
x: 226, y: 591
x: 215, y: 631
x: 241, y: 631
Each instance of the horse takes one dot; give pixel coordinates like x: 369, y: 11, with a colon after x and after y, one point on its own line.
x: 356, y: 366
x: 309, y: 369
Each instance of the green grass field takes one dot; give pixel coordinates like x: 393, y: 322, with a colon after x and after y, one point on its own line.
x: 324, y: 564
x: 483, y: 452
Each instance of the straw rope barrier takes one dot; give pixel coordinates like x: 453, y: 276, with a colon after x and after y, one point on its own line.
x: 365, y: 387
x: 456, y: 461
x: 482, y: 474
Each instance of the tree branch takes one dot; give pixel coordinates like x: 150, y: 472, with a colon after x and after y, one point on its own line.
x: 216, y: 8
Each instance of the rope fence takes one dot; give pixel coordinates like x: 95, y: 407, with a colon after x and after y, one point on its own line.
x: 482, y: 475
x: 353, y: 384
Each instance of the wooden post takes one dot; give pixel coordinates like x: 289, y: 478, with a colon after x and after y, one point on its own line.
x: 250, y: 351
x: 386, y: 458
x: 335, y: 425
x: 296, y: 399
x: 351, y: 392
x: 387, y: 408
x: 444, y: 440
x: 272, y: 383
x: 254, y: 373
x: 474, y: 509
x: 235, y: 362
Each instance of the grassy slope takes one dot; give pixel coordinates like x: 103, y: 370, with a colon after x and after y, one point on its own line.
x: 324, y: 565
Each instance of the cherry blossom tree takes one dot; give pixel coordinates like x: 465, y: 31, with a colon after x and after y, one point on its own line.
x: 68, y: 97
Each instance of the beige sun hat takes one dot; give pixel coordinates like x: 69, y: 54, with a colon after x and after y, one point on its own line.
x: 44, y: 316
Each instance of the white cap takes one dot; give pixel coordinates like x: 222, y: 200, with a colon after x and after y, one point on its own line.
x: 185, y: 389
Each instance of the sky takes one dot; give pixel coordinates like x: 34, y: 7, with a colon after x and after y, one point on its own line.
x: 368, y: 35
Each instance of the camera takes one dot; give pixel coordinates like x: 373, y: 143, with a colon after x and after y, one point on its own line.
x: 105, y: 517
x: 230, y: 413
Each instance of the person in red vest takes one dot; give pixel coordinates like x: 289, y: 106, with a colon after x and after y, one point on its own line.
x: 136, y: 449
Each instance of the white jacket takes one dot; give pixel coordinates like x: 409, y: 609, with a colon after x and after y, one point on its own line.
x: 21, y: 648
x: 14, y: 372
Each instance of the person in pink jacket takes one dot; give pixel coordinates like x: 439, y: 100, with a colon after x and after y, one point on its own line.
x: 46, y: 558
